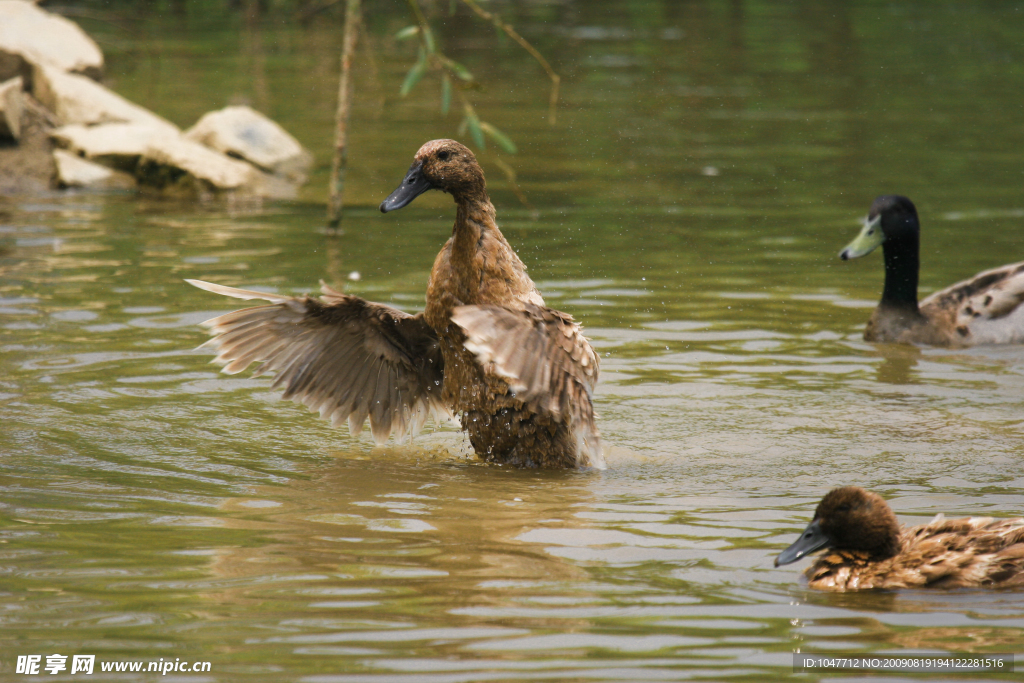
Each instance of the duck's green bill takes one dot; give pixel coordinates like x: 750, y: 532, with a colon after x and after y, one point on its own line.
x: 869, y: 238
x: 813, y: 538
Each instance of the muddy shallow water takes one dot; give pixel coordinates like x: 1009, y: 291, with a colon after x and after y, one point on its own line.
x: 709, y: 162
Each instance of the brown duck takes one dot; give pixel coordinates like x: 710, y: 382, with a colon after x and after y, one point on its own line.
x: 867, y: 548
x: 987, y: 309
x: 519, y: 375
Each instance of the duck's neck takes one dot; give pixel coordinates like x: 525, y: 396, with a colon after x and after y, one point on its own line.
x: 887, y: 543
x: 474, y: 219
x: 880, y: 534
x: 901, y: 267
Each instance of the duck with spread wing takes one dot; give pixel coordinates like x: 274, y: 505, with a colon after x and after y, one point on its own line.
x: 520, y: 375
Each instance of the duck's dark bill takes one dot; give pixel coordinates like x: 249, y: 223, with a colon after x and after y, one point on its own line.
x: 412, y: 187
x: 813, y: 538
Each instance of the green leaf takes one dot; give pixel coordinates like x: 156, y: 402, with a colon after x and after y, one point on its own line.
x: 428, y: 37
x: 461, y: 130
x: 503, y: 140
x: 446, y: 93
x: 407, y: 32
x: 459, y: 70
x: 414, y: 75
x: 473, y: 123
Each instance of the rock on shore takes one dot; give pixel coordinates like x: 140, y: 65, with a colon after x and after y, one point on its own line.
x: 30, y: 36
x: 244, y: 133
x: 12, y: 104
x: 103, y: 140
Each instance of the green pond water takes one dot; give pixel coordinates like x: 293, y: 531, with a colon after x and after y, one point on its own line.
x: 709, y: 161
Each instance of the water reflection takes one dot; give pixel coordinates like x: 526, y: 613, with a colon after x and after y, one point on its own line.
x: 445, y: 514
x: 898, y: 363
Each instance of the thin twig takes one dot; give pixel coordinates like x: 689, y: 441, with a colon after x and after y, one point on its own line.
x: 511, y: 32
x: 421, y: 21
x: 438, y: 60
x: 510, y: 176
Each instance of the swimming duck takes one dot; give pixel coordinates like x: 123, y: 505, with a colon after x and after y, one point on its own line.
x: 869, y: 549
x: 519, y: 374
x: 987, y: 309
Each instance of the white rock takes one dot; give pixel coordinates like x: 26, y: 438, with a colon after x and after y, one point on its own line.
x: 175, y: 163
x: 73, y: 171
x: 77, y: 99
x: 118, y: 145
x: 11, y: 106
x: 168, y: 161
x: 30, y: 36
x: 245, y: 133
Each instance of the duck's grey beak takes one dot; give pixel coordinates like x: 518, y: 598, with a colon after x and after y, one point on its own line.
x: 813, y: 538
x: 870, y: 236
x: 412, y: 187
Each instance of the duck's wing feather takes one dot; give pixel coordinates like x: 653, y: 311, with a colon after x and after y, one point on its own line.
x: 986, y: 309
x: 340, y: 355
x: 973, y: 551
x: 540, y: 352
x: 545, y: 359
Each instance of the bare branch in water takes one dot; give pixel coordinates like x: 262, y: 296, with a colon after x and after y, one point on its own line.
x: 337, y: 188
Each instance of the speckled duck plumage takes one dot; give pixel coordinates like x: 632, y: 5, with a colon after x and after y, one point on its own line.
x: 519, y: 375
x: 867, y: 548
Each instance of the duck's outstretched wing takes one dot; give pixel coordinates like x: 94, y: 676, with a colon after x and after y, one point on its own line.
x: 986, y: 309
x: 341, y: 356
x: 545, y: 359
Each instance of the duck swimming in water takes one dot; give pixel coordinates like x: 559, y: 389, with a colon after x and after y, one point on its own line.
x: 519, y: 374
x: 867, y: 548
x: 987, y: 309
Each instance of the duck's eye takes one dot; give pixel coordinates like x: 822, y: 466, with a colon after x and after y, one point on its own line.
x: 443, y: 155
x: 845, y: 507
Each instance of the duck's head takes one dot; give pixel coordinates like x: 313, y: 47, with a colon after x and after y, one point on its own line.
x: 892, y: 219
x: 848, y: 518
x: 444, y: 165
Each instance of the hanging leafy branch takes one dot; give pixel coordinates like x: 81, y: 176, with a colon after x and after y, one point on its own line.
x: 456, y: 79
x: 431, y: 58
x: 514, y: 35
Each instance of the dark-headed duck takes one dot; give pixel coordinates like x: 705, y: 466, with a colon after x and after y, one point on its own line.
x: 867, y: 548
x: 987, y: 309
x: 519, y: 374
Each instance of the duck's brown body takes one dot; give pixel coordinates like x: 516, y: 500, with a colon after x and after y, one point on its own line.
x: 519, y: 375
x: 477, y: 266
x: 868, y: 549
x: 953, y: 553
